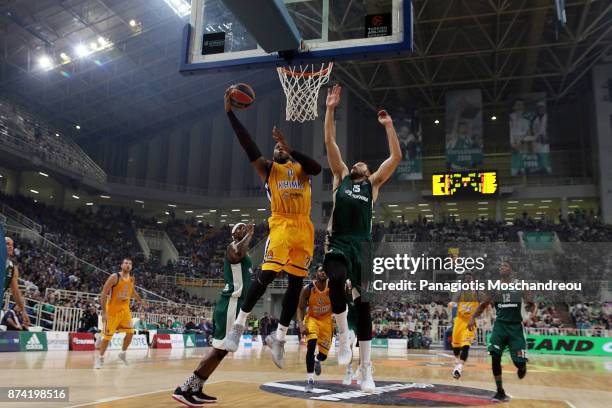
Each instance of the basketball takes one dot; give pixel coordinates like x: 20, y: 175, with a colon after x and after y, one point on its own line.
x: 241, y: 95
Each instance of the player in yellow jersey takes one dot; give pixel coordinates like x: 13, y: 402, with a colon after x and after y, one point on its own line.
x: 466, y: 302
x: 116, y: 314
x: 290, y: 244
x: 317, y: 325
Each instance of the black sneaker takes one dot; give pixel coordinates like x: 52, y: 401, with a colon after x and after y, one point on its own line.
x: 500, y: 396
x: 521, y: 372
x: 317, y: 367
x: 201, y: 397
x: 185, y: 398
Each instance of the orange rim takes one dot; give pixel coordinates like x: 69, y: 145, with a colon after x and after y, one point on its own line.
x: 307, y: 74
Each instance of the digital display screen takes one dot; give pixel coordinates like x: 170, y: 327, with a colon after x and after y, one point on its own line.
x: 464, y: 184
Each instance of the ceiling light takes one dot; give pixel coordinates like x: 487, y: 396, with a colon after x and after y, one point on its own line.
x: 546, y: 201
x: 493, y: 117
x: 132, y: 23
x: 483, y: 209
x: 45, y: 62
x: 89, y: 204
x: 81, y: 51
x: 528, y: 205
x: 244, y: 215
x: 426, y: 209
x: 451, y: 209
x: 449, y: 204
x: 77, y: 127
x: 261, y: 209
x: 483, y: 202
x: 512, y: 202
x: 437, y: 122
x: 34, y: 191
x: 511, y: 208
x: 57, y: 134
x: 172, y: 205
x: 392, y: 205
x: 104, y: 196
x: 167, y: 212
x: 139, y: 201
x: 223, y: 215
x: 188, y: 211
x: 43, y: 174
x: 222, y: 220
x: 199, y: 216
x: 577, y: 200
x: 76, y: 197
x: 423, y: 205
x: 544, y: 206
x: 160, y: 222
x: 213, y: 210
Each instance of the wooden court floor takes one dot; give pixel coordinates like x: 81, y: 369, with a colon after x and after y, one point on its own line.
x: 552, y: 381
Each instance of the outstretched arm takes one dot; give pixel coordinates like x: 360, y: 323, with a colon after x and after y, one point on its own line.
x: 387, y: 168
x: 481, y: 308
x: 112, y: 280
x: 337, y: 165
x: 262, y: 166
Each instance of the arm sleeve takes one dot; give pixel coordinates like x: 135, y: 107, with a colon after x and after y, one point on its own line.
x: 310, y: 166
x: 244, y: 138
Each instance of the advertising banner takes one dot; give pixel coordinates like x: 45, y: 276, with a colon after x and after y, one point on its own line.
x: 410, y: 136
x: 57, y: 341
x: 464, y: 141
x: 177, y: 341
x: 529, y: 136
x: 139, y: 342
x: 380, y: 343
x: 162, y: 341
x: 9, y: 341
x: 29, y: 341
x: 200, y: 340
x: 576, y: 345
x: 82, y: 341
x: 189, y: 340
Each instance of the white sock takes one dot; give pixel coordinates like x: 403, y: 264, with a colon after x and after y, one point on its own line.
x: 242, y: 317
x: 365, y: 349
x: 310, y: 376
x: 281, y: 332
x: 342, y: 321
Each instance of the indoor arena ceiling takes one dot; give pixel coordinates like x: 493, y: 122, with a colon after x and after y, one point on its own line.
x: 130, y: 85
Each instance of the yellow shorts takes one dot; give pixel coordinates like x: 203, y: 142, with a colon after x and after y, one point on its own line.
x: 290, y: 245
x: 461, y: 335
x: 321, y: 330
x: 118, y: 322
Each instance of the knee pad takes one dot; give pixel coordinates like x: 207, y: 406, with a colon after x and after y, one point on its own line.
x: 220, y: 354
x: 464, y: 352
x: 266, y: 277
x: 496, y: 364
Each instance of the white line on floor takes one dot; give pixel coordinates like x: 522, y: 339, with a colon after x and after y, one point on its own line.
x: 110, y: 399
x: 294, y: 387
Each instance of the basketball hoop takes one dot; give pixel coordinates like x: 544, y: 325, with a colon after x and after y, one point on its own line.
x: 301, y: 85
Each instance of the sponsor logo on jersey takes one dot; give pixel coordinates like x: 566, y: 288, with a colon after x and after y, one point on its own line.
x: 290, y: 173
x: 269, y: 255
x: 356, y: 196
x: 290, y: 184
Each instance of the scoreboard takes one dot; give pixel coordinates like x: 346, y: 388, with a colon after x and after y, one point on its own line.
x: 474, y: 184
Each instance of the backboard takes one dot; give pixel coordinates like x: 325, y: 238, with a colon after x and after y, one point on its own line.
x: 330, y: 30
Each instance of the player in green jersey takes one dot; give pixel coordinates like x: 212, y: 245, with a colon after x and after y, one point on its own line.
x: 237, y: 270
x: 508, y: 331
x: 350, y: 226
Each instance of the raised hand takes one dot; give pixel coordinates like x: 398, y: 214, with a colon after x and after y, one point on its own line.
x: 333, y: 96
x: 280, y: 139
x: 384, y: 118
x: 226, y: 100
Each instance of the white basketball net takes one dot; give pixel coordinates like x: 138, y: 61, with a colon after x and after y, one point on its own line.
x: 301, y: 85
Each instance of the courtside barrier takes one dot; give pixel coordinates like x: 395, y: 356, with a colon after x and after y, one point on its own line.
x: 139, y: 342
x: 162, y: 341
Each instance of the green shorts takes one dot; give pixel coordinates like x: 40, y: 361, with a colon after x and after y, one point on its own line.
x: 226, y: 311
x: 349, y: 250
x: 511, y: 336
